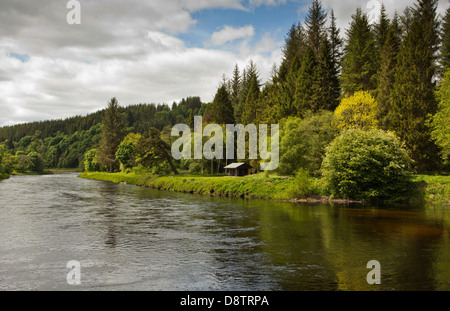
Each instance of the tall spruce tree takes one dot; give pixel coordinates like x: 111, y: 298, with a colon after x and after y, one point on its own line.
x: 359, y: 66
x: 386, y: 74
x: 381, y: 28
x: 335, y: 43
x: 234, y: 94
x: 414, y: 88
x: 305, y: 97
x: 222, y: 108
x: 294, y: 47
x: 112, y: 134
x: 445, y: 49
x: 327, y: 86
x: 251, y: 108
x: 315, y: 23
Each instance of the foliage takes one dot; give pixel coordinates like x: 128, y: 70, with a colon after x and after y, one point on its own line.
x: 303, y: 142
x: 441, y: 121
x: 366, y: 165
x: 413, y: 95
x: 125, y: 154
x: 195, y: 168
x: 91, y: 163
x: 112, y: 134
x: 153, y: 151
x: 222, y: 108
x: 357, y: 111
x: 302, y: 185
x: 359, y: 66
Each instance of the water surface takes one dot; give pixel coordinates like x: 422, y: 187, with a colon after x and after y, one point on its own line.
x: 132, y: 238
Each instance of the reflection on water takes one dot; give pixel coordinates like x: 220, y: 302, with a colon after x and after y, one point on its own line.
x: 131, y: 238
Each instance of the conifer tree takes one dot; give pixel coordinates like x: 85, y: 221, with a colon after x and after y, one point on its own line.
x: 335, y: 43
x: 315, y: 23
x: 445, y: 49
x: 306, y: 86
x: 251, y: 103
x: 413, y: 93
x: 386, y: 75
x: 359, y: 66
x: 327, y: 87
x: 222, y: 108
x: 294, y: 47
x: 112, y: 134
x: 381, y: 29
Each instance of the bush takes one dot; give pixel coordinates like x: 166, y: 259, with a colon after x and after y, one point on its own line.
x: 358, y: 111
x: 366, y: 165
x: 195, y: 168
x: 302, y: 185
x: 303, y: 143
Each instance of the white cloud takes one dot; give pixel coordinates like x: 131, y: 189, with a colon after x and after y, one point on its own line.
x: 229, y: 34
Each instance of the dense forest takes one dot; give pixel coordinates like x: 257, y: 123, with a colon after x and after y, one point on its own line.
x: 392, y: 75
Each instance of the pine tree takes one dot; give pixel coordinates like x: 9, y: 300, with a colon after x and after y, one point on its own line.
x: 294, y: 47
x: 386, y: 75
x: 306, y: 88
x: 222, y: 108
x: 251, y: 108
x: 359, y: 66
x: 381, y: 29
x: 327, y: 88
x: 315, y: 26
x: 112, y: 134
x: 413, y: 93
x: 445, y: 49
x: 335, y: 43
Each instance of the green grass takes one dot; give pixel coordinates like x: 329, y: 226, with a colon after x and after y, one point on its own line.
x: 433, y: 188
x: 256, y: 186
x: 430, y: 189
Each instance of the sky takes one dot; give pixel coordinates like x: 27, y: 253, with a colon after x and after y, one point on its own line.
x: 157, y: 51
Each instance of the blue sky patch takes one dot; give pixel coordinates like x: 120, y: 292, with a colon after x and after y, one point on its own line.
x: 22, y: 57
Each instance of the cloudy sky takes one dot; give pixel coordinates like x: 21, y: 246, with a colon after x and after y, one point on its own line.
x: 153, y: 51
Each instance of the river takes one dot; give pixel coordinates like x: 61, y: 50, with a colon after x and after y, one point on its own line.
x: 131, y: 238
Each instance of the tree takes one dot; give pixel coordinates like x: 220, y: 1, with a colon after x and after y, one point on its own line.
x: 328, y: 89
x: 381, y: 29
x: 315, y: 26
x: 303, y: 142
x: 335, y: 43
x: 359, y: 66
x: 222, y: 108
x: 440, y: 122
x: 294, y: 48
x: 151, y: 150
x: 357, y: 111
x: 445, y: 49
x: 306, y: 87
x: 414, y: 88
x: 112, y: 134
x: 386, y: 75
x: 125, y: 154
x: 367, y: 165
x: 251, y: 103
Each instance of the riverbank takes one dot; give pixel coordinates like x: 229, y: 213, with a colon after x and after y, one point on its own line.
x: 429, y: 189
x: 252, y: 187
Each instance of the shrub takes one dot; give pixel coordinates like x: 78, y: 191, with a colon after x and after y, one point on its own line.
x: 366, y: 165
x: 195, y: 168
x: 303, y: 142
x: 302, y: 185
x: 358, y: 111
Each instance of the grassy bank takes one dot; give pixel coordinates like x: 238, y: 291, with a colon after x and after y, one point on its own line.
x: 432, y: 189
x: 4, y: 176
x: 256, y: 186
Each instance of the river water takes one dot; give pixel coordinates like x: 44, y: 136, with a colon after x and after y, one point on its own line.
x: 132, y: 238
